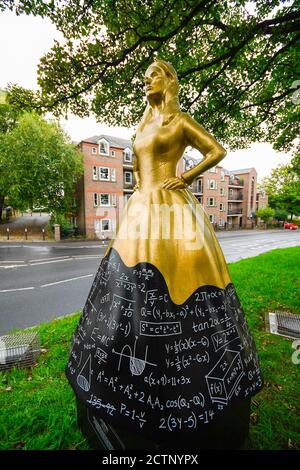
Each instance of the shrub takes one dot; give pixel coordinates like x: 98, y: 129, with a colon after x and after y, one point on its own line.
x: 67, y: 229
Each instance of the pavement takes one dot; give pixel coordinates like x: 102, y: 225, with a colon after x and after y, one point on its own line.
x: 34, y: 223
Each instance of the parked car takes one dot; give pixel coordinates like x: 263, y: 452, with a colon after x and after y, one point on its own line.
x: 290, y: 226
x: 8, y: 210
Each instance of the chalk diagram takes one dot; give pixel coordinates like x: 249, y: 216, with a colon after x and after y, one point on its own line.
x: 84, y: 376
x: 136, y: 365
x: 223, y: 380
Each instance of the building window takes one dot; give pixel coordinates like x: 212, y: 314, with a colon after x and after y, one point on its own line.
x: 213, y: 170
x: 222, y: 191
x: 96, y: 200
x: 222, y: 176
x: 127, y: 155
x: 104, y: 173
x: 222, y: 207
x: 113, y: 174
x: 113, y: 153
x: 128, y: 177
x: 211, y: 201
x: 126, y: 197
x: 211, y: 218
x: 105, y: 225
x: 199, y: 186
x: 94, y: 150
x: 104, y: 199
x: 113, y: 200
x: 221, y: 222
x: 103, y: 147
x: 95, y: 173
x: 102, y: 225
x: 230, y: 193
x: 211, y: 184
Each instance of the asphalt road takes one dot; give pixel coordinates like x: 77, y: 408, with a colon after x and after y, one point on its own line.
x: 42, y: 281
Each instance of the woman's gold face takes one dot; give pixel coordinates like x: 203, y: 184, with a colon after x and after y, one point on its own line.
x: 155, y: 81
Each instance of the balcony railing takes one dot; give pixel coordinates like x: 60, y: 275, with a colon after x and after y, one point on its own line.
x: 236, y: 183
x: 235, y: 211
x: 235, y: 198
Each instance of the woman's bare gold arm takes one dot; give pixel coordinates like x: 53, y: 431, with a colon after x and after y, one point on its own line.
x: 197, y: 137
x: 136, y: 172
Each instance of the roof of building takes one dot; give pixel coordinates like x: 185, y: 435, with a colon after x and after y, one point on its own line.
x: 243, y: 170
x: 113, y: 141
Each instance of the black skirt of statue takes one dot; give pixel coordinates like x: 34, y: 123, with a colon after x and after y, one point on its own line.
x: 155, y: 367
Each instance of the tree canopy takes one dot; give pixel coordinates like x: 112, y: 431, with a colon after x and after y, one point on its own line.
x: 283, y: 188
x: 238, y: 62
x: 38, y: 164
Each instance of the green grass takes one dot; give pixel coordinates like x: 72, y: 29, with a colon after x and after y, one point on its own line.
x: 38, y: 406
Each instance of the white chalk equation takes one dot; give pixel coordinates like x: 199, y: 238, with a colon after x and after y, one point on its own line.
x: 221, y: 338
x: 160, y: 329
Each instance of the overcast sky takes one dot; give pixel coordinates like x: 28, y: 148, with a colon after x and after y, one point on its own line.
x: 24, y: 39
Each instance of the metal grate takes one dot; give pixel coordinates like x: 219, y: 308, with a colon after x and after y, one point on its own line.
x: 19, y: 350
x: 284, y: 324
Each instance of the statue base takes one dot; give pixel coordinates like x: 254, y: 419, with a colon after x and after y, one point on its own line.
x: 229, y: 432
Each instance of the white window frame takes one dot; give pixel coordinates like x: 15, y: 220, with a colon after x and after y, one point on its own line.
x: 113, y: 153
x: 222, y: 192
x: 221, y: 222
x: 108, y: 173
x: 100, y: 199
x: 222, y: 206
x: 222, y: 175
x: 113, y: 174
x: 96, y: 199
x: 95, y: 173
x: 103, y: 141
x: 211, y: 184
x: 94, y: 150
x: 208, y: 201
x: 211, y: 218
x: 129, y: 173
x: 109, y: 225
x: 199, y: 186
x: 127, y: 153
x: 113, y: 199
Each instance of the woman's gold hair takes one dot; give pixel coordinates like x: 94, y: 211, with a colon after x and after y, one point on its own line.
x: 172, y: 103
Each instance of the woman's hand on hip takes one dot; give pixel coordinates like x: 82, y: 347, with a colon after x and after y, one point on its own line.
x: 174, y: 183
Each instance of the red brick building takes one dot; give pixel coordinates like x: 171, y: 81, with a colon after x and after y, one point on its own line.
x: 106, y: 184
x: 229, y: 197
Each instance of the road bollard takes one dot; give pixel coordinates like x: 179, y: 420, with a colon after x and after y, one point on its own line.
x: 43, y: 231
x: 25, y: 230
x: 7, y: 230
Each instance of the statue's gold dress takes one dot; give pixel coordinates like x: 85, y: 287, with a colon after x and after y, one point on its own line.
x: 162, y: 347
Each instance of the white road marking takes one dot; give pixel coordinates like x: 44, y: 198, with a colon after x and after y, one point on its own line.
x: 13, y: 290
x: 49, y: 262
x: 13, y: 266
x: 46, y: 259
x: 12, y: 261
x: 67, y: 280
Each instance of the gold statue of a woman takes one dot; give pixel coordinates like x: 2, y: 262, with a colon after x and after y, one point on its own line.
x: 162, y: 347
